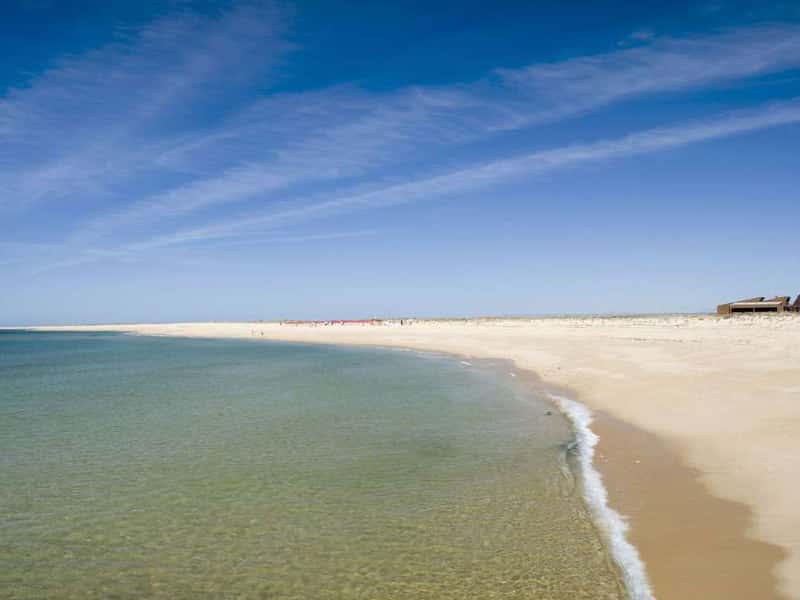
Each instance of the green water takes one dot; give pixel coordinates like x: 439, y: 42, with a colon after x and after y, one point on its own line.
x: 135, y: 467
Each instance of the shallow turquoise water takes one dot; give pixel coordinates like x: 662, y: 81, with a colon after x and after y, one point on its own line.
x: 136, y: 467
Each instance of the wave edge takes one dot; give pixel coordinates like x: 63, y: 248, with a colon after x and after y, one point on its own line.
x: 611, y: 524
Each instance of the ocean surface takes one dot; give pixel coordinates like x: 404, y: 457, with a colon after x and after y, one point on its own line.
x: 143, y: 467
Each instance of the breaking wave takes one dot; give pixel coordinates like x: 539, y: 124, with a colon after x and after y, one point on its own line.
x: 611, y: 524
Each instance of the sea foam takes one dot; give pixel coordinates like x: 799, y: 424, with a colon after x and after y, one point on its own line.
x: 609, y: 522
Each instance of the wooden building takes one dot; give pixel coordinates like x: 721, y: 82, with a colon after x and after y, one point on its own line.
x: 759, y: 304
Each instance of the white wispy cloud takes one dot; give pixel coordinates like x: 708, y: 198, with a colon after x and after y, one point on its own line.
x: 45, y: 258
x: 299, y: 239
x: 341, y: 133
x: 666, y: 64
x: 324, y: 137
x: 103, y: 131
x: 468, y: 180
x: 481, y: 176
x: 91, y: 121
x: 637, y: 37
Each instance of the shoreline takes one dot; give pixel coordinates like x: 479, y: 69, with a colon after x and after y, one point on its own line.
x: 610, y: 520
x: 648, y: 482
x: 649, y: 486
x: 671, y: 378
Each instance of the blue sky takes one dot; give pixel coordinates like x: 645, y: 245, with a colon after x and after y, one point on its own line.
x: 253, y: 160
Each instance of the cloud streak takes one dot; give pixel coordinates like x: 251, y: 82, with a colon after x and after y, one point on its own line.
x: 665, y: 65
x: 479, y: 177
x: 389, y: 130
x: 106, y: 132
x: 92, y: 122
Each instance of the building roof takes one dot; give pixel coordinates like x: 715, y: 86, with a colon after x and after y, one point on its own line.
x: 763, y: 303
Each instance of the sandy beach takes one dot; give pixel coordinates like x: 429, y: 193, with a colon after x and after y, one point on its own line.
x: 698, y: 419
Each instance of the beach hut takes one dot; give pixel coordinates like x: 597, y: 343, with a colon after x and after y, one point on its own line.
x: 759, y: 304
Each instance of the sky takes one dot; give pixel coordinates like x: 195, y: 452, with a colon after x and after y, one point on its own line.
x: 179, y: 161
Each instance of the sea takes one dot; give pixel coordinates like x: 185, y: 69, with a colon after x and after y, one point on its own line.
x: 156, y: 467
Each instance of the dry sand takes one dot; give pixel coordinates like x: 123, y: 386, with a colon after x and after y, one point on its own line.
x: 721, y: 395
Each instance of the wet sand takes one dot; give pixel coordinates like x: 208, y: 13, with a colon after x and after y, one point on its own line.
x: 694, y: 545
